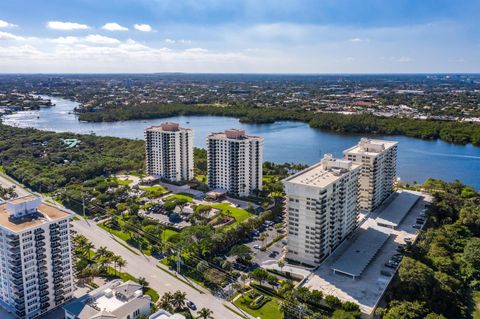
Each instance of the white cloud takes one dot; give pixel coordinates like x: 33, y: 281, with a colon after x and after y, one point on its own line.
x: 59, y: 25
x: 100, y: 39
x: 171, y: 41
x: 113, y: 26
x: 10, y: 36
x: 66, y: 40
x: 5, y: 24
x: 143, y: 27
x: 196, y: 50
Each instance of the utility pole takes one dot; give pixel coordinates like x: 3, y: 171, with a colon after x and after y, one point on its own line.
x: 83, y: 204
x: 179, y: 261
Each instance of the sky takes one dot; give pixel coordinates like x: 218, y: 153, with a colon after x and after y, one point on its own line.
x: 240, y: 36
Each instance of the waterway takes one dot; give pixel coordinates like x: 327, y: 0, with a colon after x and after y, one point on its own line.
x: 284, y: 141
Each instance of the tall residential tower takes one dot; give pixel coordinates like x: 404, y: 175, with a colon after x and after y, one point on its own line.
x: 36, y: 257
x: 235, y: 162
x: 379, y: 170
x: 169, y: 152
x: 321, y: 208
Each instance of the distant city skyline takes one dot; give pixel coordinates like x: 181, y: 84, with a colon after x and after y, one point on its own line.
x: 235, y: 36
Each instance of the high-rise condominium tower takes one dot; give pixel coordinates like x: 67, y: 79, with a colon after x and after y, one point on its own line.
x: 379, y: 170
x: 169, y: 152
x: 36, y: 257
x: 321, y: 208
x: 235, y: 162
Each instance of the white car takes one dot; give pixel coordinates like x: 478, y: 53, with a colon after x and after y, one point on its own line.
x: 256, y: 246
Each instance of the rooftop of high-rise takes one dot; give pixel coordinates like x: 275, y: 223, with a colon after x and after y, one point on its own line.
x: 322, y: 174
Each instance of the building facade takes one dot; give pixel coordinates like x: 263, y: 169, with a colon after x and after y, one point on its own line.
x: 321, y: 208
x: 379, y: 170
x: 235, y: 162
x: 169, y: 152
x: 36, y: 272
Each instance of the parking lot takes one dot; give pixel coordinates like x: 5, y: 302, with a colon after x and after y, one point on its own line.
x: 274, y: 252
x: 368, y: 289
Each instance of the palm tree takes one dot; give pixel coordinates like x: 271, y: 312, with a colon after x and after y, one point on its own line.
x: 205, y: 313
x: 115, y: 259
x: 179, y: 299
x: 166, y: 301
x: 121, y: 263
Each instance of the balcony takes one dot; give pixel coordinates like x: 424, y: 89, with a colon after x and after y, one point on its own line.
x: 42, y: 269
x: 42, y: 281
x: 44, y: 305
x: 18, y: 281
x: 20, y: 306
x: 41, y: 263
x: 39, y: 244
x: 40, y: 250
x: 55, y: 244
x: 42, y: 287
x: 44, y: 300
x: 57, y: 280
x: 43, y: 293
x: 20, y: 313
x: 16, y: 269
x: 39, y: 231
x: 39, y: 237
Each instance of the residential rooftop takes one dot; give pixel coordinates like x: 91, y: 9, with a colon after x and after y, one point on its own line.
x: 27, y: 212
x: 233, y: 134
x: 167, y: 127
x: 115, y: 299
x: 322, y: 174
x: 370, y: 147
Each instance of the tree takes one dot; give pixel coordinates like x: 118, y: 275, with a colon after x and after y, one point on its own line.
x: 143, y: 282
x: 281, y: 264
x: 205, y: 313
x: 179, y: 299
x: 406, y: 310
x: 259, y: 274
x: 416, y: 279
x: 333, y: 301
x: 472, y: 253
x: 166, y: 301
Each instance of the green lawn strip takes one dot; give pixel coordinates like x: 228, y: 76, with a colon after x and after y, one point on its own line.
x: 270, y: 310
x: 239, y: 214
x: 179, y: 278
x: 126, y: 276
x: 235, y: 311
x: 185, y: 196
x: 167, y: 233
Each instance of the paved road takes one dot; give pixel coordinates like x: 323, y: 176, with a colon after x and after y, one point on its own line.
x: 6, y: 182
x: 145, y: 266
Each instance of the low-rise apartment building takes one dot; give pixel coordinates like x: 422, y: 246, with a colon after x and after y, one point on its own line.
x: 169, y: 152
x: 235, y: 162
x: 36, y: 272
x: 114, y: 300
x: 321, y: 203
x: 379, y: 170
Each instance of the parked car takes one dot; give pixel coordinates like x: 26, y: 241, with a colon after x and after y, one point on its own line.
x: 416, y: 226
x: 385, y: 273
x: 256, y: 246
x: 191, y: 305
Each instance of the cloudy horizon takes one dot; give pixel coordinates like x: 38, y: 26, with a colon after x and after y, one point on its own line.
x: 235, y: 36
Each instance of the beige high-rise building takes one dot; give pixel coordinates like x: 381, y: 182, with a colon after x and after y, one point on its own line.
x: 36, y: 271
x: 169, y: 152
x: 235, y: 162
x: 321, y: 203
x: 379, y: 170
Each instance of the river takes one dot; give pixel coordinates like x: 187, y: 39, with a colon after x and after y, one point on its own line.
x: 284, y: 141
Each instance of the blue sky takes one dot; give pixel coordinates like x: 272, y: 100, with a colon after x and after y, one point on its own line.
x: 279, y: 36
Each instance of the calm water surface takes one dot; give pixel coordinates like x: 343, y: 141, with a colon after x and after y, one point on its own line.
x: 284, y: 141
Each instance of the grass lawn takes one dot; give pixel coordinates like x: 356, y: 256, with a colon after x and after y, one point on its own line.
x: 155, y: 191
x: 185, y: 196
x: 167, y: 233
x: 270, y: 310
x: 123, y: 182
x: 239, y: 214
x: 476, y: 300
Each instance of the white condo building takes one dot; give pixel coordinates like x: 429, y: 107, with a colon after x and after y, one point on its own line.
x: 235, y: 162
x: 379, y: 170
x: 169, y: 152
x: 36, y: 259
x: 321, y: 208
